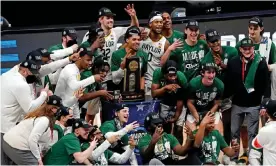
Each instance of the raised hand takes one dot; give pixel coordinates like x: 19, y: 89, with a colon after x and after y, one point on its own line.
x: 157, y: 134
x: 131, y: 142
x: 130, y: 10
x: 176, y: 44
x: 132, y: 126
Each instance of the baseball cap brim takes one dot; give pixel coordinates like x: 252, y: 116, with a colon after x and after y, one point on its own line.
x: 247, y: 45
x: 46, y: 54
x: 35, y: 72
x: 73, y: 36
x: 157, y: 121
x: 194, y: 27
x: 213, y: 38
x: 86, y: 126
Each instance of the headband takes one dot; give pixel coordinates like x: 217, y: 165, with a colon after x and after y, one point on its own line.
x: 155, y: 18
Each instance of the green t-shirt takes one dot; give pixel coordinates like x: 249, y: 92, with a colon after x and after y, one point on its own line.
x: 210, y: 146
x: 227, y: 54
x: 188, y: 58
x: 59, y: 130
x: 163, y: 148
x: 61, y: 153
x: 272, y: 53
x: 92, y: 87
x: 110, y: 126
x: 175, y: 35
x: 85, y: 44
x: 171, y: 98
x: 100, y: 160
x: 55, y: 47
x: 118, y: 56
x: 205, y: 96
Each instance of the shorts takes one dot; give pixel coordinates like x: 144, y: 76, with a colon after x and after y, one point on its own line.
x: 191, y: 119
x: 94, y: 106
x: 169, y: 112
x: 148, y: 95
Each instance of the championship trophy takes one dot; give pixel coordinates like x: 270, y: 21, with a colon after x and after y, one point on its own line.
x: 132, y: 78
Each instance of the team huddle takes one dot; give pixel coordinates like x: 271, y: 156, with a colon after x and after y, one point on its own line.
x: 207, y: 92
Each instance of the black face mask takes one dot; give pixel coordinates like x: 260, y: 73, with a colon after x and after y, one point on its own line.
x: 71, y: 42
x: 82, y: 140
x: 31, y: 79
x: 171, y: 81
x: 69, y: 122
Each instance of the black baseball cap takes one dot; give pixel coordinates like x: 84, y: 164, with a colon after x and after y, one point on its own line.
x: 170, y: 67
x: 152, y: 118
x: 31, y: 65
x: 35, y: 56
x: 247, y: 42
x: 70, y: 32
x: 106, y: 12
x: 256, y: 21
x: 271, y: 108
x: 85, y: 51
x: 121, y: 108
x: 54, y: 100
x: 44, y: 52
x: 62, y: 111
x: 77, y: 123
x: 153, y: 14
x: 212, y: 35
x: 192, y: 24
x: 94, y: 30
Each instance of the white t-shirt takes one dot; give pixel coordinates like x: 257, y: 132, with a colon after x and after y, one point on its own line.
x: 28, y: 134
x: 17, y: 99
x: 110, y: 45
x: 266, y: 140
x: 68, y: 83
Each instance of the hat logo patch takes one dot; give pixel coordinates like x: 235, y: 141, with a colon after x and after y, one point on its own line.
x: 44, y: 51
x: 148, y: 118
x: 64, y: 32
x: 55, y: 102
x: 77, y: 124
x: 26, y: 63
x: 155, y: 116
x: 33, y: 66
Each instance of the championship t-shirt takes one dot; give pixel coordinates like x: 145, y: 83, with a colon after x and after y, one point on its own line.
x: 61, y: 153
x: 205, y: 96
x: 228, y: 53
x: 175, y: 35
x: 163, y: 148
x: 188, y: 58
x: 210, y: 146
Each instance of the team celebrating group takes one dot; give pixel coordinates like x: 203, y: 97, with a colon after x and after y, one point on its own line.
x: 212, y: 97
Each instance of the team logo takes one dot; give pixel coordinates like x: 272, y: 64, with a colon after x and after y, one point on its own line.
x: 215, y: 89
x: 159, y: 45
x: 201, y: 46
x: 54, y: 102
x: 26, y: 64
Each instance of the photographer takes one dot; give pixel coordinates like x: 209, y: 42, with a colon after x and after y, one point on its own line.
x: 168, y: 84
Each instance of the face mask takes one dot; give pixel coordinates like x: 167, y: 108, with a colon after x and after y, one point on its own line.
x: 171, y: 81
x: 69, y: 122
x: 82, y: 140
x: 71, y: 42
x: 31, y: 79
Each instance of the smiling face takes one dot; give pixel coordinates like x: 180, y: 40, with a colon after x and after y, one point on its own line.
x: 215, y: 46
x: 208, y: 76
x: 133, y: 42
x: 82, y: 132
x: 156, y: 26
x: 167, y: 21
x: 247, y: 52
x: 107, y: 22
x: 123, y: 115
x: 192, y: 34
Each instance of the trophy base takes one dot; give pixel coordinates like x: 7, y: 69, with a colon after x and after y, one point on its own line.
x: 133, y: 96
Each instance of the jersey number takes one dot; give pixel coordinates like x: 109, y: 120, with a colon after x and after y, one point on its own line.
x: 106, y: 53
x: 150, y: 56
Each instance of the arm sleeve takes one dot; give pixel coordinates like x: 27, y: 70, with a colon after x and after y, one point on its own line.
x: 54, y: 76
x: 260, y: 140
x: 59, y: 54
x: 121, y: 133
x: 75, y: 84
x: 121, y: 158
x: 40, y: 125
x: 156, y: 76
x: 53, y: 66
x: 99, y: 150
x: 117, y: 76
x: 25, y: 100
